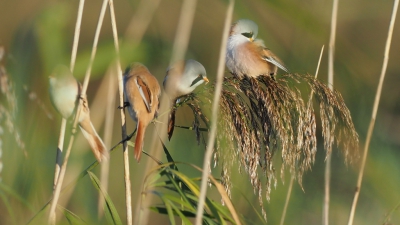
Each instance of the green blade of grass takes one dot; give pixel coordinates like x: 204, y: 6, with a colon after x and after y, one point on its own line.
x: 175, y: 199
x: 109, y: 206
x: 72, y: 218
x: 177, y: 187
x: 163, y: 210
x: 169, y: 210
x: 178, y: 211
x: 169, y: 157
x: 223, y: 212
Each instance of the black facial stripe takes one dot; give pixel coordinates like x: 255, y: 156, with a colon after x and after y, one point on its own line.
x: 248, y: 34
x: 199, y: 78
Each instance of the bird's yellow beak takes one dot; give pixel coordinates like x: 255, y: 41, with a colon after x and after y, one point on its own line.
x: 206, y: 79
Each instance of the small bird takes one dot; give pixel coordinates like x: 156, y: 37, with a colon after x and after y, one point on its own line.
x: 181, y: 79
x: 142, y: 93
x: 64, y: 94
x: 247, y: 56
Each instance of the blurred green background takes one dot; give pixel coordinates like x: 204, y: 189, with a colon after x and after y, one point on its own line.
x: 38, y: 34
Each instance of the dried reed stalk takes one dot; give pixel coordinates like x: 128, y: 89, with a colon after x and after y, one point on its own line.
x: 56, y: 194
x: 128, y: 191
x: 72, y: 66
x: 52, y: 216
x: 374, y: 111
x: 287, y: 200
x: 331, y: 54
x: 214, y: 116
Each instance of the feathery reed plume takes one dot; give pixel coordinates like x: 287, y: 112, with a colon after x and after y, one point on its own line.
x: 335, y: 118
x: 262, y: 116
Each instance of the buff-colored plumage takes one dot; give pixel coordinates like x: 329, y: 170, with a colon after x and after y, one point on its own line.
x: 248, y: 56
x: 142, y: 92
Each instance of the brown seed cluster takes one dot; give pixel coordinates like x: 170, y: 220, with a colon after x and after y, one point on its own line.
x: 260, y: 117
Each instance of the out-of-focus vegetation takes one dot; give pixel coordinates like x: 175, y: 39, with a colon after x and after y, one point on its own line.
x: 37, y: 35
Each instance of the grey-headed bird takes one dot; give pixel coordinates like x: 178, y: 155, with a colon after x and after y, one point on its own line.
x: 142, y: 93
x: 181, y: 79
x: 64, y: 94
x: 248, y: 56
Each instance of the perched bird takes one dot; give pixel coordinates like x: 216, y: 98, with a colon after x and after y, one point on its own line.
x: 247, y: 56
x: 181, y: 79
x: 64, y: 94
x: 142, y: 93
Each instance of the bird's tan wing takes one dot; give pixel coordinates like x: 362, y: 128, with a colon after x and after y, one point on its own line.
x: 270, y: 57
x: 145, y: 93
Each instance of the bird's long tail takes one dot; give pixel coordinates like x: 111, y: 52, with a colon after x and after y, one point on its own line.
x: 139, y: 140
x: 96, y: 144
x: 171, y: 122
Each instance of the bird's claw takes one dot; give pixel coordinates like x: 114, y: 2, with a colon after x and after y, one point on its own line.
x: 126, y: 104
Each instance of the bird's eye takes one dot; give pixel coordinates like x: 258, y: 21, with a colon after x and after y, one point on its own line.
x: 248, y: 34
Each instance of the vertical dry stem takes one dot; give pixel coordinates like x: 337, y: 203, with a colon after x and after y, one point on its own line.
x: 331, y: 53
x: 319, y: 62
x: 59, y: 153
x: 76, y: 35
x: 56, y: 194
x: 374, y: 111
x: 52, y: 217
x: 214, y: 116
x: 332, y: 39
x: 287, y: 200
x: 128, y: 191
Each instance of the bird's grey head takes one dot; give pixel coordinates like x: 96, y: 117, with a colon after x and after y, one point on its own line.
x: 245, y: 27
x: 195, y: 72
